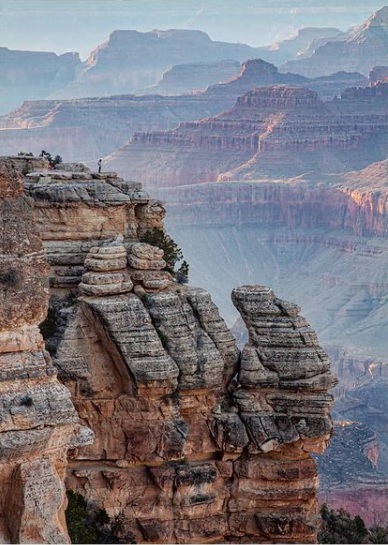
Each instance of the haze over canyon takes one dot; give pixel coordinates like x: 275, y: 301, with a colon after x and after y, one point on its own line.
x: 188, y: 414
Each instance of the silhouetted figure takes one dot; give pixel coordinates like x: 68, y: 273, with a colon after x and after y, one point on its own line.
x: 99, y: 165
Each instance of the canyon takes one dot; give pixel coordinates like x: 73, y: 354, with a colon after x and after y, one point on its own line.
x: 194, y: 440
x: 85, y: 129
x: 270, y: 178
x: 277, y: 131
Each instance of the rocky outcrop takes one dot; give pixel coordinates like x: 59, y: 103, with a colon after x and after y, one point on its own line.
x: 103, y: 264
x: 359, y: 50
x: 194, y: 455
x: 33, y: 75
x: 275, y: 132
x: 194, y: 442
x: 38, y: 422
x: 146, y: 265
x: 75, y: 211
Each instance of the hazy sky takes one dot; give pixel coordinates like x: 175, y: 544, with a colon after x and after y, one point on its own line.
x: 80, y: 25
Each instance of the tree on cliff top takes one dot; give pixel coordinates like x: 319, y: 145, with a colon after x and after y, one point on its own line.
x: 338, y: 526
x: 172, y: 253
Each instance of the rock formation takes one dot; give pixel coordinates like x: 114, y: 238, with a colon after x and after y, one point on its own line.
x: 359, y: 50
x: 129, y: 59
x: 189, y: 77
x: 276, y: 132
x: 87, y: 128
x: 38, y: 421
x: 194, y: 442
x: 188, y: 458
x: 106, y: 273
x: 33, y: 75
x: 324, y: 244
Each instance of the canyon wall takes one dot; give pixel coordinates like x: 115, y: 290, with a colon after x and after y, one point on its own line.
x: 39, y: 425
x: 362, y: 48
x: 194, y: 441
x: 84, y: 129
x: 271, y: 132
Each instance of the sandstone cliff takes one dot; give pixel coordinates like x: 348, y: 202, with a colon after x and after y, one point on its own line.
x: 38, y: 422
x: 194, y: 441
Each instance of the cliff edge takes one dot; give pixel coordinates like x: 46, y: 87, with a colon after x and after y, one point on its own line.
x: 195, y: 440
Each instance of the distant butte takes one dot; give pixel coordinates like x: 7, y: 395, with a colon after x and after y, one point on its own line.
x: 277, y: 131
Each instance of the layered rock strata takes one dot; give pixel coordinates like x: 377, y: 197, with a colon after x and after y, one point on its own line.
x: 39, y: 424
x: 146, y: 265
x: 83, y: 129
x: 271, y: 132
x: 194, y: 441
x: 205, y: 446
x: 105, y: 270
x: 77, y: 210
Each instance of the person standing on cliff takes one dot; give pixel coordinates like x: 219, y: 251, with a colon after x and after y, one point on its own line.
x: 99, y: 165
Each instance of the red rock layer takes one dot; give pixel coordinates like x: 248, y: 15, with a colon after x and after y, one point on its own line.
x: 278, y: 131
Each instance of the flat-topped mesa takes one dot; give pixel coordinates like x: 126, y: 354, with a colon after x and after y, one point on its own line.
x: 279, y: 97
x: 38, y: 420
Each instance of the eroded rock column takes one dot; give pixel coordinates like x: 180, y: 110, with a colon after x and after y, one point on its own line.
x: 38, y: 423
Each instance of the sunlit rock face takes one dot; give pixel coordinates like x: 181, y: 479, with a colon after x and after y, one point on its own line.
x: 195, y: 440
x: 38, y: 421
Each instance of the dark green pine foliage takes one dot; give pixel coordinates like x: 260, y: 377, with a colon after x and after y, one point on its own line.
x: 338, y: 526
x: 86, y: 525
x: 172, y: 253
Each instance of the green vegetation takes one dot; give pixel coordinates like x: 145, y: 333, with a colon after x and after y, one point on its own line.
x: 172, y: 253
x: 52, y: 161
x: 338, y: 526
x: 87, y: 525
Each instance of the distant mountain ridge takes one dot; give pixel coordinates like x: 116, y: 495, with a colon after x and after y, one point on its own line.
x: 359, y: 50
x: 130, y: 60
